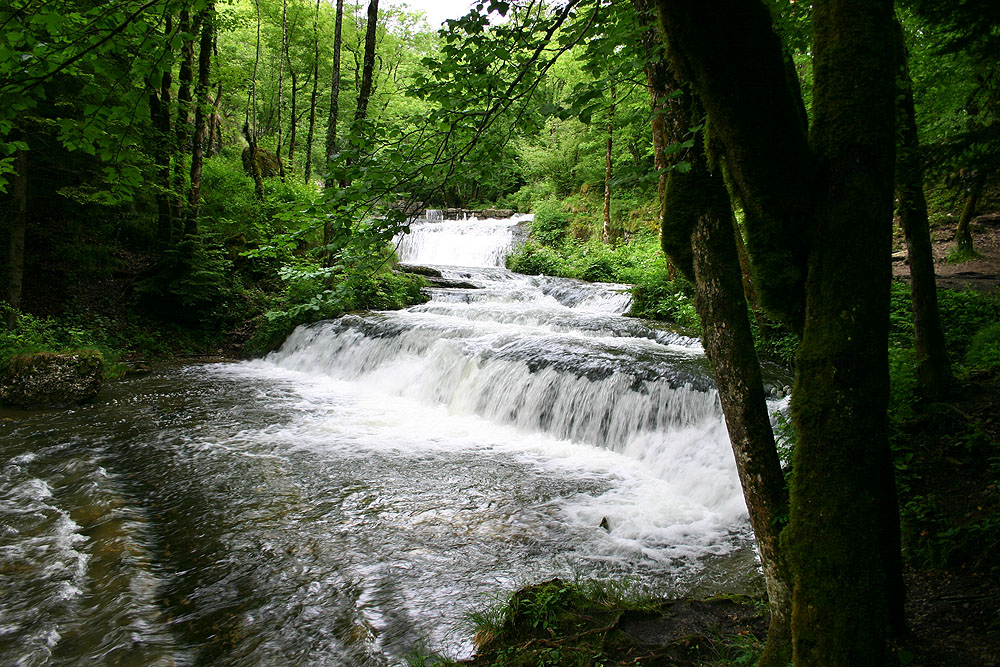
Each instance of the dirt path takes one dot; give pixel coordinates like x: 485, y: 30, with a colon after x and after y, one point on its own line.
x: 982, y: 274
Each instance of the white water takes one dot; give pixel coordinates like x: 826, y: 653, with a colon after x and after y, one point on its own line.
x: 361, y: 490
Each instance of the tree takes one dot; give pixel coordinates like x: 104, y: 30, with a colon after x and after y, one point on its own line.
x: 933, y: 367
x: 201, y: 108
x: 331, y: 125
x: 818, y: 204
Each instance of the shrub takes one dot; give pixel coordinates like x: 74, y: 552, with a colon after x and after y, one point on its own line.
x: 534, y: 259
x: 984, y: 349
x: 550, y: 223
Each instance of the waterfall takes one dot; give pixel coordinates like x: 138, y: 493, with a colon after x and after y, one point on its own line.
x: 469, y: 242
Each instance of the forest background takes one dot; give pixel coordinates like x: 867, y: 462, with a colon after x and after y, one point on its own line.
x: 188, y: 177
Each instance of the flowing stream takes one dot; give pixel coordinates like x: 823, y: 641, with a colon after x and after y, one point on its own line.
x: 357, y: 493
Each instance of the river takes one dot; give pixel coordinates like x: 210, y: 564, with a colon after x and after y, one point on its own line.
x: 357, y: 493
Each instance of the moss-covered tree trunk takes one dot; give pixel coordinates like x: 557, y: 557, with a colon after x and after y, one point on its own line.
x: 201, y: 107
x: 182, y: 128
x: 159, y: 110
x: 729, y: 345
x: 964, y: 246
x: 933, y: 367
x: 818, y: 214
x: 843, y: 536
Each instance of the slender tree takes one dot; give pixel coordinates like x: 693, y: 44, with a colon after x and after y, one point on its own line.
x: 368, y: 69
x: 15, y: 250
x: 331, y: 125
x: 182, y: 128
x: 307, y: 171
x: 282, y: 57
x: 201, y: 107
x: 933, y: 367
x: 606, y: 232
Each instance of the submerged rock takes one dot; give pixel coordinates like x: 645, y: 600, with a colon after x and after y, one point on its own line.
x: 47, y: 379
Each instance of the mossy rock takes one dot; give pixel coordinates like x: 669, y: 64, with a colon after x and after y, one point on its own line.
x: 48, y: 379
x: 268, y: 163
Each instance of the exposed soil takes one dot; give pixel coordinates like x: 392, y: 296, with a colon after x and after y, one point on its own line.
x: 982, y: 273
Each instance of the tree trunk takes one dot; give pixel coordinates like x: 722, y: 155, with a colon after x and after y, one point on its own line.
x: 281, y: 82
x: 933, y: 369
x: 963, y: 236
x: 818, y: 214
x: 606, y: 236
x: 658, y: 81
x: 214, y: 141
x: 312, y: 98
x: 159, y: 110
x: 201, y: 96
x: 365, y: 91
x: 294, y: 113
x: 250, y: 125
x: 185, y: 78
x: 331, y: 124
x: 15, y: 256
x: 729, y: 346
x: 843, y: 536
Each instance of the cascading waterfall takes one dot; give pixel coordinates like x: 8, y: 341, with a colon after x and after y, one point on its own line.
x: 359, y: 491
x: 471, y: 242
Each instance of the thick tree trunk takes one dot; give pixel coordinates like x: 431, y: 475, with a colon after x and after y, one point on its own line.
x: 729, y: 53
x: 331, y: 124
x: 606, y: 236
x: 15, y: 252
x: 818, y: 213
x: 843, y: 536
x: 307, y: 172
x: 201, y: 97
x: 934, y: 369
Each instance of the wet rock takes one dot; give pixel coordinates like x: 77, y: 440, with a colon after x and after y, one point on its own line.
x: 419, y: 270
x: 453, y: 283
x: 47, y: 379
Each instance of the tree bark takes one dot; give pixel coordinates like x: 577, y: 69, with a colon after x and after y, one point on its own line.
x: 293, y: 121
x: 15, y: 256
x: 201, y: 97
x: 844, y: 519
x: 818, y: 214
x: 307, y: 172
x: 963, y: 236
x: 182, y: 131
x: 606, y: 236
x: 331, y: 124
x: 737, y: 66
x: 281, y: 82
x: 933, y: 367
x: 729, y: 346
x: 159, y: 110
x: 367, y: 72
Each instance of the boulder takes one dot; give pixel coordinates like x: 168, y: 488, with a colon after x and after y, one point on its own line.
x: 47, y: 379
x: 267, y: 161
